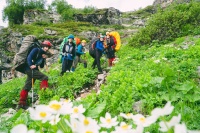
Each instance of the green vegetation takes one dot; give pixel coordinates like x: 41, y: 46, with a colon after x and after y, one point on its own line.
x: 142, y: 13
x: 14, y: 11
x: 162, y: 68
x: 170, y: 23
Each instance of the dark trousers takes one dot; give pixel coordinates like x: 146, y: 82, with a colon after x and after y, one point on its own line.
x: 66, y: 65
x: 35, y: 74
x: 78, y: 60
x: 98, y: 55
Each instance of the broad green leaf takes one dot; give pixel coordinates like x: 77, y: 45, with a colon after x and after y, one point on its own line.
x: 187, y: 86
x: 95, y: 112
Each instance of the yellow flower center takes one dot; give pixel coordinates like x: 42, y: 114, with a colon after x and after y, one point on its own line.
x: 108, y: 120
x: 76, y: 110
x: 86, y: 122
x: 125, y: 127
x: 55, y: 106
x: 74, y: 125
x: 88, y: 132
x: 43, y: 114
x: 66, y: 100
x: 142, y: 119
x: 128, y: 114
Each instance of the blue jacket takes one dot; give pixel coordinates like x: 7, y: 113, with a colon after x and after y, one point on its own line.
x: 79, y: 50
x: 99, y: 45
x: 35, y: 58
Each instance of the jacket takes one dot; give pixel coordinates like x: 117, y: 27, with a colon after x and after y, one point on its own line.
x: 79, y: 50
x: 35, y: 58
x: 99, y: 45
x: 68, y: 51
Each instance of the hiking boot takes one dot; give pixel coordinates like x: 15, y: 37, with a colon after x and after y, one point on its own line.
x: 101, y: 72
x: 85, y: 65
x: 21, y: 106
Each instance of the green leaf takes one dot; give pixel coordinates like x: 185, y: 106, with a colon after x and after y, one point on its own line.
x: 185, y: 87
x: 156, y: 80
x: 95, y: 112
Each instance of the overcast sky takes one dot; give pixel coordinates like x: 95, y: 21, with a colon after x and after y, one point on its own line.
x: 122, y: 5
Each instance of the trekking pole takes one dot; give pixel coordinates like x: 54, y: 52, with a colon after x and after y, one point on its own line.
x: 32, y: 88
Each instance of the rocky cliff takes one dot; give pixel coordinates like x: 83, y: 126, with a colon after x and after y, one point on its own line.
x: 101, y: 16
x: 31, y: 16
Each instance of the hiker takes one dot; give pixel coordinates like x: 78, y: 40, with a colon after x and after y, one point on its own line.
x: 99, y: 47
x: 36, y: 58
x: 79, y: 52
x: 68, y: 54
x: 110, y: 48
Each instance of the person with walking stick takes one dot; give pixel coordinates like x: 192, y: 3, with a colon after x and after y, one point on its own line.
x: 35, y: 59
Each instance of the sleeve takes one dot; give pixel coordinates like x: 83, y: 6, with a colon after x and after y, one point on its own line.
x: 42, y: 64
x: 63, y: 49
x: 31, y: 56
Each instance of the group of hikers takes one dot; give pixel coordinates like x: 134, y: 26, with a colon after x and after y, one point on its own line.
x: 70, y: 57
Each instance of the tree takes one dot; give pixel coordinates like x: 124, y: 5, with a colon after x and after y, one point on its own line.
x: 64, y: 9
x: 14, y: 11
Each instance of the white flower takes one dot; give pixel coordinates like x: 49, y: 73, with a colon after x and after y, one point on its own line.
x: 86, y: 122
x: 123, y: 128
x: 41, y: 112
x: 77, y: 110
x: 66, y: 107
x: 74, y: 124
x: 140, y: 120
x: 54, y: 119
x: 127, y: 116
x: 165, y: 126
x: 168, y: 108
x: 108, y: 122
x: 180, y: 128
x: 89, y: 130
x: 55, y: 107
x: 164, y: 58
x: 156, y: 61
x: 21, y: 128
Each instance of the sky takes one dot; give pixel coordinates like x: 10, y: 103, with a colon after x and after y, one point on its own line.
x: 122, y: 5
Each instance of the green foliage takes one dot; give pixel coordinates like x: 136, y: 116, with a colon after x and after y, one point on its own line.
x: 15, y: 9
x: 64, y: 9
x: 154, y: 75
x: 142, y: 13
x: 168, y: 24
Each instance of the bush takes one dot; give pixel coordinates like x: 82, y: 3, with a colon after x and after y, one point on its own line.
x: 170, y: 23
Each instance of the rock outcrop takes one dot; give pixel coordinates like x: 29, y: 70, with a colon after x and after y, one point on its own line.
x: 31, y: 16
x: 101, y: 16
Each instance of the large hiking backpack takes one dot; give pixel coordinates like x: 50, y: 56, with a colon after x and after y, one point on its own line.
x: 20, y: 58
x: 116, y: 35
x: 92, y: 47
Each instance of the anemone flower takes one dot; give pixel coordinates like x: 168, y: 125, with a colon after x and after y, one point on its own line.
x: 108, y: 122
x: 21, y: 128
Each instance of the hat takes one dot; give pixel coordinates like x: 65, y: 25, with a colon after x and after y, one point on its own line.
x: 71, y: 36
x: 83, y: 41
x: 101, y: 36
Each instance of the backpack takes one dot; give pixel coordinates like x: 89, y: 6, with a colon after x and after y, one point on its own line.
x: 20, y: 58
x: 116, y: 35
x: 77, y: 40
x: 92, y: 47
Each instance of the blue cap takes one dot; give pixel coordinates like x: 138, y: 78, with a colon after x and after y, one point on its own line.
x: 71, y: 36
